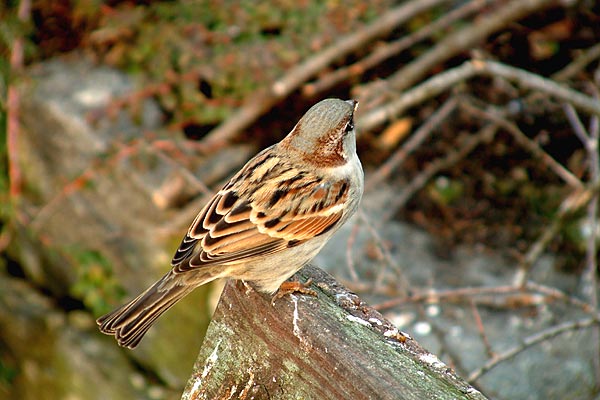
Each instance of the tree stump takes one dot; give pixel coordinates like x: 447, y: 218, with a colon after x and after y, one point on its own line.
x: 332, y: 346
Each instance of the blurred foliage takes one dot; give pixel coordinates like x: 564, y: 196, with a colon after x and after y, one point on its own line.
x: 7, y: 375
x: 202, y: 58
x: 96, y: 286
x: 198, y: 58
x: 445, y: 191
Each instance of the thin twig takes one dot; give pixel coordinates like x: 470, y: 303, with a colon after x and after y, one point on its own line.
x: 13, y: 106
x: 94, y: 169
x: 573, y: 203
x: 577, y: 126
x: 461, y: 295
x: 532, y: 340
x: 447, y: 79
x: 557, y: 294
x: 578, y: 64
x: 403, y: 283
x: 260, y: 103
x: 430, y: 88
x: 588, y: 277
x: 384, y: 52
x: 533, y: 81
x: 416, y: 139
x: 456, y: 43
x: 481, y: 329
x: 469, y: 144
x: 525, y: 142
x: 590, y: 274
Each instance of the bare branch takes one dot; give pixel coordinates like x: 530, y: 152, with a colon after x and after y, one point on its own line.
x: 445, y: 80
x: 403, y: 283
x: 260, y: 103
x: 469, y: 144
x: 533, y: 81
x: 416, y: 139
x: 578, y: 64
x: 577, y: 125
x: 577, y: 200
x: 382, y: 53
x: 428, y: 89
x: 481, y: 329
x: 13, y: 105
x: 458, y: 42
x: 516, y: 296
x: 589, y: 275
x: 528, y: 144
x: 532, y: 340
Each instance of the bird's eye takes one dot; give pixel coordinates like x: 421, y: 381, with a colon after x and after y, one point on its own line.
x: 349, y: 126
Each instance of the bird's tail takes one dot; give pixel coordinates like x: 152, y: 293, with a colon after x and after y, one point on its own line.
x: 131, y: 321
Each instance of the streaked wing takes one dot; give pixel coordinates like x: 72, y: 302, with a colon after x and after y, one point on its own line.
x: 268, y: 206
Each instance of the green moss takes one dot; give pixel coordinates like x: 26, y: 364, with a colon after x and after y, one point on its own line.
x: 235, y: 48
x: 96, y: 285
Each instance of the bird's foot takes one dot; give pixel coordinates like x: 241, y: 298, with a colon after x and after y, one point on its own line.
x: 293, y: 287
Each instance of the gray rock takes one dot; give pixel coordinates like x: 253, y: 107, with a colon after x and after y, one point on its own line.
x: 99, y: 218
x: 60, y: 356
x: 558, y: 368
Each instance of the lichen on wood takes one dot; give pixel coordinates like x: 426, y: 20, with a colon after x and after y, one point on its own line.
x: 332, y: 346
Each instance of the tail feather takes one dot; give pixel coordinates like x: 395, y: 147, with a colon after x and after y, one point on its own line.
x: 131, y: 321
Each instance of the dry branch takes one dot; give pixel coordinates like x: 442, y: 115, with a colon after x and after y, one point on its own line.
x: 13, y: 106
x: 384, y: 52
x: 467, y: 145
x: 416, y: 139
x: 575, y: 202
x: 529, y: 295
x: 497, y: 116
x: 532, y: 340
x: 589, y: 280
x: 260, y: 103
x: 447, y: 79
x: 456, y: 43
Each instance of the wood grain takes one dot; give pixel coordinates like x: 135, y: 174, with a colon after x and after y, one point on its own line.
x: 332, y: 346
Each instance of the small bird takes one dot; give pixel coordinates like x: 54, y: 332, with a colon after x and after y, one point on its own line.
x: 266, y: 223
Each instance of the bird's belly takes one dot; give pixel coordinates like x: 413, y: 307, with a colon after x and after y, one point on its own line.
x: 269, y: 273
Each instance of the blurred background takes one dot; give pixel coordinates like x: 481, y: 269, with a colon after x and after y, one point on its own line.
x: 478, y: 130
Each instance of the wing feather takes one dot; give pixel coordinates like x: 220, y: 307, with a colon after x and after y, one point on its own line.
x: 260, y: 211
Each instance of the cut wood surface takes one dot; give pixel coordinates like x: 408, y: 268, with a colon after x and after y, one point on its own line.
x: 332, y: 346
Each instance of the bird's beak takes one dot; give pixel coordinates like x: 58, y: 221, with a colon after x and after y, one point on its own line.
x: 353, y: 103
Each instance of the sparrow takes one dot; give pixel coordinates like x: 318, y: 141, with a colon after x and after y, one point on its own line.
x: 266, y: 223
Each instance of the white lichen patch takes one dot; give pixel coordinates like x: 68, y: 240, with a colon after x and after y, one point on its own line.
x: 375, y: 321
x: 344, y: 298
x: 432, y: 360
x: 196, y: 392
x: 296, y: 319
x: 472, y: 390
x: 296, y: 327
x: 358, y: 320
x: 249, y: 385
x: 232, y: 392
x: 212, y: 359
x: 391, y: 333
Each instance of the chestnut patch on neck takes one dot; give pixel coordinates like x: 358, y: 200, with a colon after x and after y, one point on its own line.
x: 325, y: 151
x: 329, y: 151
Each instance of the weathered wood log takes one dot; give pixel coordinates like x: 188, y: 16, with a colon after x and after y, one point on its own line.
x: 332, y: 346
